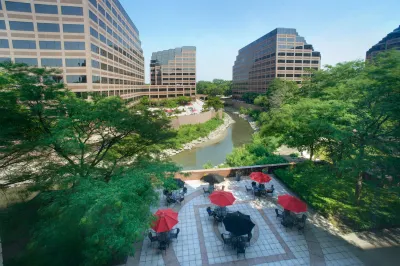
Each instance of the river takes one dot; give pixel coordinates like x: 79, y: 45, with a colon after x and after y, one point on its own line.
x: 215, y: 151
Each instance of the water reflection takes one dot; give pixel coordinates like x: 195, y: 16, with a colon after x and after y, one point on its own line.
x: 215, y: 151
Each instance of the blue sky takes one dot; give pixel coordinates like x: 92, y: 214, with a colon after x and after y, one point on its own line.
x: 340, y: 30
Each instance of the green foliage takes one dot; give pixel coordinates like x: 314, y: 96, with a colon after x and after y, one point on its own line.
x: 208, y: 165
x: 187, y: 133
x: 215, y: 87
x: 258, y: 152
x: 334, y: 197
x: 294, y: 155
x: 145, y: 102
x: 214, y: 102
x: 249, y: 97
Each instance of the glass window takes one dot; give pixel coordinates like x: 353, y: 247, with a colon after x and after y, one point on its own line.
x: 27, y: 61
x: 93, y: 17
x: 95, y: 64
x: 307, y: 54
x: 103, y: 52
x: 5, y: 59
x: 102, y: 24
x: 74, y: 45
x: 94, y: 33
x: 2, y: 25
x: 73, y: 28
x: 109, y: 18
x: 114, y: 11
x: 314, y: 62
x: 46, y: 9
x: 75, y: 62
x: 104, y: 80
x: 281, y: 61
x: 17, y: 6
x: 93, y: 2
x: 103, y: 39
x: 4, y: 43
x: 101, y: 10
x: 306, y: 61
x: 289, y: 68
x: 94, y: 48
x: 96, y: 79
x: 52, y: 62
x: 111, y: 68
x: 109, y: 30
x: 50, y: 45
x: 72, y: 10
x: 20, y: 25
x: 297, y: 61
x: 290, y: 61
x: 298, y: 68
x: 56, y: 79
x: 76, y: 79
x: 108, y: 4
x: 103, y: 66
x: 281, y: 68
x: 24, y: 44
x: 48, y: 27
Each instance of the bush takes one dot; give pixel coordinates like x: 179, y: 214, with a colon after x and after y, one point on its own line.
x: 208, y: 165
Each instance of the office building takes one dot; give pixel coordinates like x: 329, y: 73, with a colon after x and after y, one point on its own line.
x: 391, y: 41
x: 94, y: 43
x: 282, y: 53
x: 175, y: 68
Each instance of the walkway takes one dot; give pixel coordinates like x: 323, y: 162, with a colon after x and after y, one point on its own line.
x: 199, y: 241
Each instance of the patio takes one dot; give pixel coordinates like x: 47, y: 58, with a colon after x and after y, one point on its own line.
x: 200, y: 243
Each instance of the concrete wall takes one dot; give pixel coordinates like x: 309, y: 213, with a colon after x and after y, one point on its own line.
x: 194, y: 119
x: 230, y: 172
x: 238, y: 104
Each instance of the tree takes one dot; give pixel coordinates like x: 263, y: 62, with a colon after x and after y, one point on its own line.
x: 98, y: 155
x: 214, y: 102
x: 249, y: 97
x: 214, y: 88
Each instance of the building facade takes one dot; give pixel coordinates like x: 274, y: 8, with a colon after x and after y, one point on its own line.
x: 281, y: 53
x: 391, y: 41
x: 94, y: 43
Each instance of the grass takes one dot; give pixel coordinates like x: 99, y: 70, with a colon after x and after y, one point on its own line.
x: 188, y: 133
x: 334, y: 197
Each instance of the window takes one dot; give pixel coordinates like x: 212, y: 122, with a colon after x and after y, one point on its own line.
x: 108, y: 16
x: 281, y: 61
x: 5, y: 59
x: 289, y: 68
x: 27, y: 61
x: 73, y: 28
x: 281, y: 75
x: 110, y: 56
x: 94, y: 33
x: 299, y: 54
x: 103, y: 66
x: 290, y: 61
x: 103, y: 39
x: 24, y: 44
x: 4, y: 43
x: 19, y: 25
x: 95, y: 64
x: 46, y: 9
x: 94, y: 48
x: 93, y: 2
x: 93, y: 17
x: 281, y: 68
x: 281, y: 54
x: 104, y: 80
x: 96, y: 79
x: 48, y: 27
x: 108, y: 4
x: 103, y: 52
x: 314, y: 62
x: 72, y: 10
x: 2, y: 25
x: 102, y: 24
x: 298, y: 61
x: 290, y: 54
x: 307, y: 54
x: 109, y: 30
x: 74, y: 45
x: 55, y: 79
x: 306, y: 61
x: 298, y: 68
x: 289, y: 75
x: 17, y: 6
x: 75, y: 62
x: 110, y: 68
x: 52, y: 62
x: 76, y: 79
x: 50, y: 45
x: 101, y: 10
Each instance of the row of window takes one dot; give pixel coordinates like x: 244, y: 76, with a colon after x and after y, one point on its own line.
x: 298, y: 61
x: 44, y: 9
x: 296, y: 68
x: 110, y: 68
x: 299, y: 54
x: 293, y: 75
x: 43, y: 27
x: 45, y: 45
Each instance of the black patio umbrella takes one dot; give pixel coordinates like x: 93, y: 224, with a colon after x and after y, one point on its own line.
x: 179, y: 182
x: 213, y: 178
x: 238, y: 223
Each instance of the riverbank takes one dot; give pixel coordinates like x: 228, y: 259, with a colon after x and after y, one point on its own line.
x: 215, y: 134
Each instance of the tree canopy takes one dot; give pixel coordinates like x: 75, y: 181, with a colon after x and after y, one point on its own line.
x: 215, y: 87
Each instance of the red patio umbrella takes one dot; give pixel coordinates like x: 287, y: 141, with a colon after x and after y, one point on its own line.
x: 222, y: 198
x: 166, y: 219
x: 260, y: 177
x: 288, y: 202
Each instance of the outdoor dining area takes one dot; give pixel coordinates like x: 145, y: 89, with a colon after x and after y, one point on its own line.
x: 260, y: 190
x: 175, y: 196
x: 162, y: 231
x: 293, y: 214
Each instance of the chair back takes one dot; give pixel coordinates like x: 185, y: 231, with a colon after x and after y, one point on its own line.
x: 209, y: 211
x: 184, y: 190
x: 249, y: 236
x: 206, y: 191
x: 177, y: 232
x: 253, y: 184
x: 277, y: 212
x: 303, y: 218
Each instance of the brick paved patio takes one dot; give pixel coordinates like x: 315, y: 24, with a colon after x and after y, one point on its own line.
x: 199, y: 242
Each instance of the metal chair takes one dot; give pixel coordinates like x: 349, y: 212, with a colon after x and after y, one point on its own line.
x: 301, y: 224
x: 205, y: 192
x: 226, y: 239
x: 210, y: 212
x: 152, y: 238
x: 241, y: 248
x: 278, y: 215
x: 163, y: 246
x: 175, y: 234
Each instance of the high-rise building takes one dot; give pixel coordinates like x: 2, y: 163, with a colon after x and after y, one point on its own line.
x: 391, y: 41
x: 94, y: 43
x: 175, y: 68
x: 282, y: 53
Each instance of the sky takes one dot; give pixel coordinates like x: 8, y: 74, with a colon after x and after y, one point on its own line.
x: 342, y: 30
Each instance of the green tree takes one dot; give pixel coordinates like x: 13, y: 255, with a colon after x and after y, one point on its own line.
x: 249, y: 97
x: 214, y: 88
x: 214, y: 102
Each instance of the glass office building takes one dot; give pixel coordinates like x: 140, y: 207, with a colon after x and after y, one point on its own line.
x: 281, y: 53
x: 175, y: 68
x: 94, y: 43
x: 391, y: 41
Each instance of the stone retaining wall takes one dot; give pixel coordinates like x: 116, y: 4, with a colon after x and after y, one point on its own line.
x: 230, y: 172
x: 194, y: 119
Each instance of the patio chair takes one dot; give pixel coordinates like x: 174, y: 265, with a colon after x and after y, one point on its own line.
x: 180, y: 200
x: 218, y: 219
x: 249, y: 189
x: 248, y: 238
x: 271, y: 190
x: 226, y: 239
x: 205, y: 192
x: 169, y: 200
x: 163, y: 246
x: 253, y: 184
x: 210, y: 212
x: 287, y: 222
x: 184, y: 190
x: 241, y: 248
x: 278, y: 215
x: 152, y: 238
x: 175, y: 234
x: 302, y: 223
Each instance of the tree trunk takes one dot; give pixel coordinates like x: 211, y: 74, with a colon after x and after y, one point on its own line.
x: 311, y: 152
x: 359, y: 188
